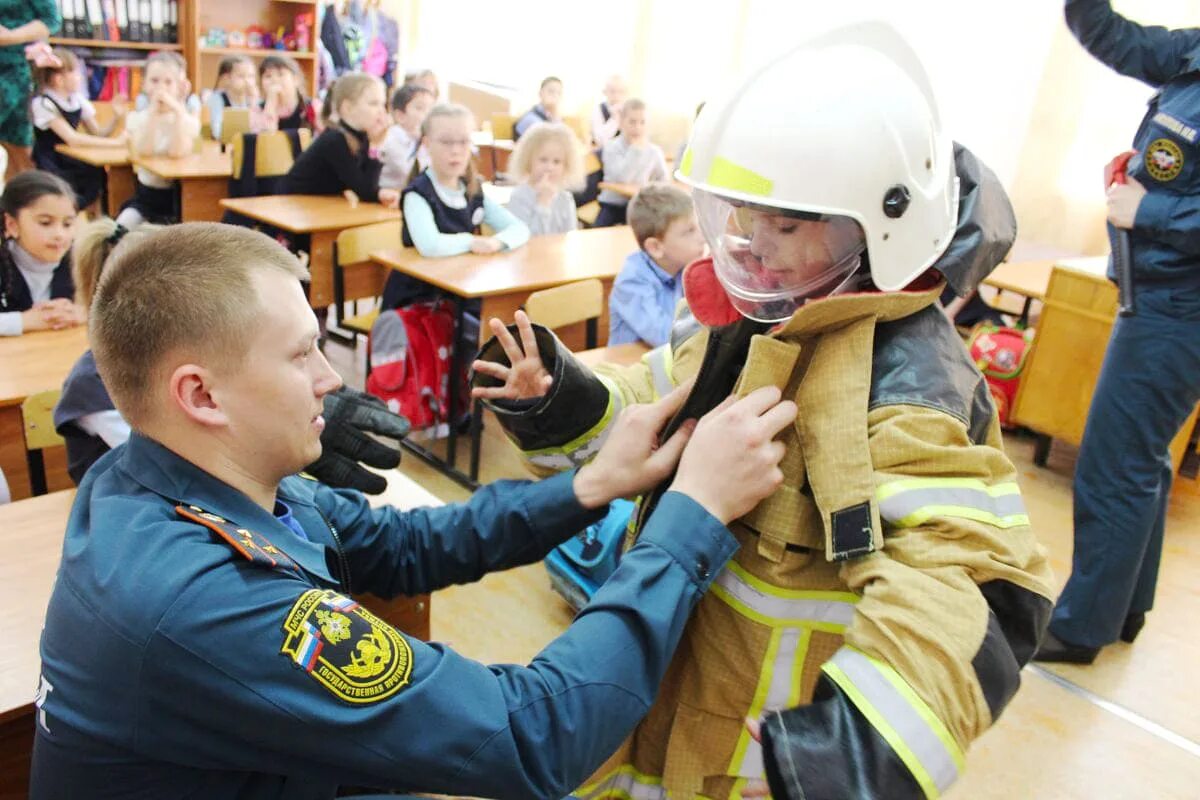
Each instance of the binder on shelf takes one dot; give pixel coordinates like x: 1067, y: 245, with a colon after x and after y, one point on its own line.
x: 173, y: 21
x: 66, y: 10
x: 144, y: 16
x: 95, y: 13
x: 158, y: 22
x: 134, y: 9
x: 112, y: 25
x: 122, y: 19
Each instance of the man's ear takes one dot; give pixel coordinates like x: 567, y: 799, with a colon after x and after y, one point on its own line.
x: 191, y: 391
x: 654, y: 246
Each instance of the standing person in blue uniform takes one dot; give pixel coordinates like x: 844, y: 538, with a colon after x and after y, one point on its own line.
x: 200, y: 640
x: 1150, y: 380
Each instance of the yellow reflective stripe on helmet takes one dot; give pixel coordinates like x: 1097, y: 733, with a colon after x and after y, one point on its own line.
x: 579, y: 450
x: 770, y: 605
x: 778, y: 688
x: 725, y: 174
x: 685, y: 163
x: 623, y: 783
x: 661, y: 364
x: 911, y: 502
x: 919, y: 739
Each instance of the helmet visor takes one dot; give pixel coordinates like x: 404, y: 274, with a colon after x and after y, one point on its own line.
x: 770, y: 260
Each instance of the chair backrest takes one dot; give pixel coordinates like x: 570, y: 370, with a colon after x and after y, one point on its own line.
x: 355, y: 245
x: 568, y: 304
x: 234, y: 122
x: 502, y: 126
x: 580, y: 126
x: 272, y: 154
x: 37, y: 415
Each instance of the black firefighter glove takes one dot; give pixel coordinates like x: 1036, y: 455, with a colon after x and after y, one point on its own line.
x: 349, y: 415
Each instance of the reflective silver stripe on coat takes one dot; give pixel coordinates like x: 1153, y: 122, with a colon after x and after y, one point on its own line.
x: 578, y: 452
x: 898, y: 712
x: 659, y: 361
x: 784, y: 671
x: 997, y: 505
x: 785, y: 609
x: 622, y: 785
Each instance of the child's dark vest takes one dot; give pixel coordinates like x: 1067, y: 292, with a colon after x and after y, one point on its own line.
x: 14, y: 291
x: 449, y: 220
x: 83, y: 394
x: 44, y: 140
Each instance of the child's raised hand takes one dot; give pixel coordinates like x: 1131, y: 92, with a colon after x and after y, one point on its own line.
x: 526, y: 377
x: 120, y: 105
x: 546, y: 189
x: 389, y: 198
x: 485, y: 245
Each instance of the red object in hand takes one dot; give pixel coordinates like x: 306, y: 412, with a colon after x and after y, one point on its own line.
x: 1116, y: 170
x: 706, y: 296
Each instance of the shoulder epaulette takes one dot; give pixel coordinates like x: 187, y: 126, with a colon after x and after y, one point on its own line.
x: 254, y: 547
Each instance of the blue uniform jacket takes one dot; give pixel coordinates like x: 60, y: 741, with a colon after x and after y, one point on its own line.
x: 1165, y: 239
x: 178, y: 664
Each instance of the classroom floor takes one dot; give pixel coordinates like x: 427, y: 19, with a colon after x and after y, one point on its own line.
x: 1128, y: 726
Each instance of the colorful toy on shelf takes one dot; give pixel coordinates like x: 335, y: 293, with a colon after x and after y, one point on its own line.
x: 280, y: 35
x: 216, y: 37
x: 255, y: 37
x: 237, y: 38
x: 304, y: 27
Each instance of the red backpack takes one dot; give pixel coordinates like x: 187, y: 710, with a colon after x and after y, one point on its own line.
x: 410, y: 351
x: 1000, y: 355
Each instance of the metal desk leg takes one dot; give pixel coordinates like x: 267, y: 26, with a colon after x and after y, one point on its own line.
x: 456, y: 364
x: 476, y: 437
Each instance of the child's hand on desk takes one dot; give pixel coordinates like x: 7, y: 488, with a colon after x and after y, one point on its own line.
x: 389, y: 198
x: 52, y: 315
x: 484, y: 245
x: 526, y: 377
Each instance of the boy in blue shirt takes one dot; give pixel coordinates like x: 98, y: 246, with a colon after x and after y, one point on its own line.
x: 644, y: 296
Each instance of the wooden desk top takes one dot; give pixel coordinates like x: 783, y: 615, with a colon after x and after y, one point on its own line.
x: 1026, y: 278
x: 32, y: 535
x: 208, y: 163
x: 34, y: 362
x: 305, y: 213
x: 619, y: 354
x: 97, y: 156
x: 544, y: 262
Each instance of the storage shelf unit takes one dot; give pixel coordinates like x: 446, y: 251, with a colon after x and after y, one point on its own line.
x: 198, y: 16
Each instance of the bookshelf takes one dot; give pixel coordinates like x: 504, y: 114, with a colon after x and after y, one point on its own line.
x: 104, y: 44
x: 196, y: 17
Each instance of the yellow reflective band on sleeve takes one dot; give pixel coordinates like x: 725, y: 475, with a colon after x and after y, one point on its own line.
x: 661, y: 364
x: 770, y: 605
x: 919, y: 739
x: 911, y: 502
x: 778, y: 688
x: 727, y: 175
x: 623, y: 783
x: 580, y: 450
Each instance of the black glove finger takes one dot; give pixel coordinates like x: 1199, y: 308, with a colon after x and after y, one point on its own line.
x: 381, y: 421
x: 341, y: 472
x: 347, y: 440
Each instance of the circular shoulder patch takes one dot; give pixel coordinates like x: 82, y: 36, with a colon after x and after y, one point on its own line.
x: 355, y: 655
x: 1164, y: 160
x: 477, y: 217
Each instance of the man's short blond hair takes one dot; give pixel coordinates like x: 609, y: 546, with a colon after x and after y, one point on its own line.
x: 655, y: 207
x: 181, y: 288
x: 520, y: 166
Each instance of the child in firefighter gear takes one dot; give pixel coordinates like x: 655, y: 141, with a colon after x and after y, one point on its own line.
x: 887, y: 594
x: 1150, y: 380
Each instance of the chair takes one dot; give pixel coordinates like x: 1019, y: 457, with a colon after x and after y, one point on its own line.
x: 37, y: 415
x: 274, y: 153
x: 580, y: 126
x: 352, y: 252
x: 569, y: 304
x: 234, y: 122
x: 502, y: 126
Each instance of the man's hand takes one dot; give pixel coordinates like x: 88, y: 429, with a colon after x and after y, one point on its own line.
x: 349, y: 416
x: 527, y: 377
x: 632, y: 461
x: 732, y: 462
x: 1123, y: 202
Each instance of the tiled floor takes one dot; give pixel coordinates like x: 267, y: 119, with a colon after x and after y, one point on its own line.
x: 1054, y: 741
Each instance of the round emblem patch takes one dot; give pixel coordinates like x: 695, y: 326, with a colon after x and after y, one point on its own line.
x: 355, y: 655
x: 477, y: 217
x: 1164, y: 160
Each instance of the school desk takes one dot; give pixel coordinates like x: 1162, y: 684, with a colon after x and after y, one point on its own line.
x: 501, y: 282
x: 624, y: 189
x: 203, y: 181
x: 32, y: 363
x: 118, y: 174
x: 31, y: 536
x: 322, y: 218
x: 621, y: 355
x: 1027, y: 279
x: 1063, y: 366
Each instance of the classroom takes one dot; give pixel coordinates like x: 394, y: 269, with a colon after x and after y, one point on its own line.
x: 403, y: 399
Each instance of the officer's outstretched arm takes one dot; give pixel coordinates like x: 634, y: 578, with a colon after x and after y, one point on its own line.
x: 562, y: 422
x: 951, y: 608
x: 1148, y: 53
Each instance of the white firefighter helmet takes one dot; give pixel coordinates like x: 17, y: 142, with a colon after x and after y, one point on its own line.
x: 831, y: 149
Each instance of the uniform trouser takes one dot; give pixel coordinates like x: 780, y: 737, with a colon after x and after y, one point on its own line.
x: 1148, y: 385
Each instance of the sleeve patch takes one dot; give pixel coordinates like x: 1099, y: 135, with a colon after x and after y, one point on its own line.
x: 356, y: 656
